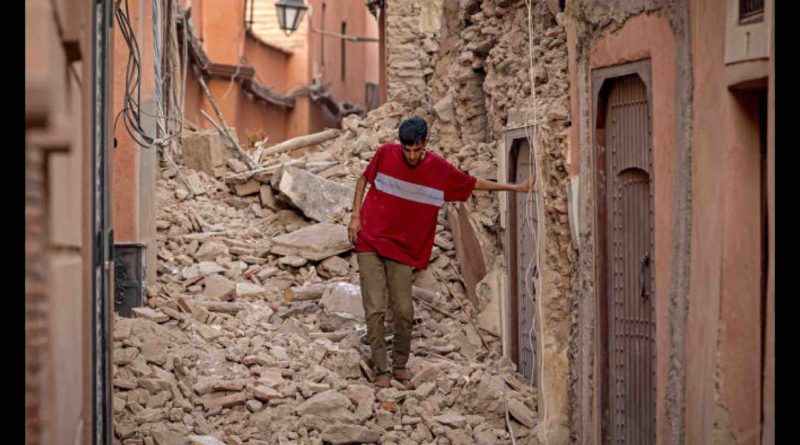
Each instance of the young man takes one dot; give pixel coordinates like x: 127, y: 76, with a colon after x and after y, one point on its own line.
x: 394, y: 229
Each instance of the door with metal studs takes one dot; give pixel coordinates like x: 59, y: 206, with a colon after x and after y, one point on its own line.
x: 631, y: 304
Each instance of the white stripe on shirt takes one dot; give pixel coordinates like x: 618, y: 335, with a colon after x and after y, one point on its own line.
x: 409, y: 190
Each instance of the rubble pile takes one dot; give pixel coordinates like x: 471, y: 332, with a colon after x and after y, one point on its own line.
x: 254, y: 332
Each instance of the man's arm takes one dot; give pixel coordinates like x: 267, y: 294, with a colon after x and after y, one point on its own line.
x: 494, y: 186
x: 355, y: 219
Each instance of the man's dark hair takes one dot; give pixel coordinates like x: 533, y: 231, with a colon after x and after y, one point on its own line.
x: 413, y: 130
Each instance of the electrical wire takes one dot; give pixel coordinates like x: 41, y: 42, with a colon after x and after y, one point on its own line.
x: 131, y: 111
x: 534, y: 156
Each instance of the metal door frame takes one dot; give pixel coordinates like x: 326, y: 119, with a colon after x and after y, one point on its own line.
x: 102, y: 235
x: 601, y: 79
x: 512, y: 141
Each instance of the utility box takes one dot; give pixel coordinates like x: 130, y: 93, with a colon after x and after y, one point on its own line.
x: 129, y: 273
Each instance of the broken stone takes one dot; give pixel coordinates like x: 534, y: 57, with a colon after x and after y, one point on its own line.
x: 201, y: 270
x: 217, y: 287
x: 249, y: 187
x: 271, y: 378
x: 453, y: 420
x: 425, y: 390
x: 429, y: 373
x: 236, y: 165
x: 125, y: 355
x: 230, y: 400
x: 315, y: 242
x: 254, y: 406
x: 205, y: 440
x: 122, y: 329
x: 340, y: 433
x: 205, y: 150
x: 167, y: 437
x: 208, y: 333
x: 249, y: 290
x: 267, y: 197
x: 344, y: 297
x: 265, y: 393
x: 195, y: 183
x: 521, y: 413
x: 318, y: 198
x: 444, y: 109
x: 210, y: 250
x: 334, y: 266
x: 292, y: 260
x: 150, y: 314
x: 487, y: 290
x: 329, y: 405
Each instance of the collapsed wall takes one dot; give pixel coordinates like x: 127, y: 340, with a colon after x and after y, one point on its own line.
x: 466, y: 67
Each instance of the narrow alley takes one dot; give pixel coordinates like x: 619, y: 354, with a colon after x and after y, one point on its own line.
x: 191, y: 169
x: 255, y: 329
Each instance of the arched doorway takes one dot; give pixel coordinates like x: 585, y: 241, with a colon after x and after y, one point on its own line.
x: 522, y: 217
x: 626, y: 255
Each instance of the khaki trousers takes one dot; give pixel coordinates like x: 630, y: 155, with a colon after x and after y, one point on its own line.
x: 379, y: 275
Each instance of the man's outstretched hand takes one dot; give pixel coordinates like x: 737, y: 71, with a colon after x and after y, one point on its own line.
x: 353, y: 228
x: 526, y: 186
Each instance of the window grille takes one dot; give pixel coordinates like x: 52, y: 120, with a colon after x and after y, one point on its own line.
x: 751, y: 11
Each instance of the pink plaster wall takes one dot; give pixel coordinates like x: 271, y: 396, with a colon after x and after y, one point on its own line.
x: 723, y: 331
x: 361, y: 57
x: 650, y: 36
x: 125, y: 157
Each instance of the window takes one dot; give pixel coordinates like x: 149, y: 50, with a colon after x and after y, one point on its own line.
x: 751, y: 11
x: 322, y: 36
x: 344, y: 56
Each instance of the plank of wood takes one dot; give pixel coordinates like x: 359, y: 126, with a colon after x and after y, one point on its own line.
x: 302, y: 141
x: 226, y: 307
x: 468, y: 250
x: 304, y: 293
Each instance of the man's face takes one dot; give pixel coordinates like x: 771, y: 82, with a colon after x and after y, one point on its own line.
x: 414, y: 153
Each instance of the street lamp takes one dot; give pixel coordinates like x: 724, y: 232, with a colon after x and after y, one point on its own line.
x: 290, y: 13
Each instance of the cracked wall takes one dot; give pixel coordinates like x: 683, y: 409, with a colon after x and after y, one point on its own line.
x: 465, y: 67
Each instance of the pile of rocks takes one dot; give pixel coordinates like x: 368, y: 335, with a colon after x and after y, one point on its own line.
x: 254, y: 331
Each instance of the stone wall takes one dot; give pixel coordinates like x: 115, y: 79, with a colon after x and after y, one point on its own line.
x: 465, y: 66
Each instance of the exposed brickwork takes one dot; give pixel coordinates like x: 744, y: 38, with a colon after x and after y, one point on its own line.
x: 35, y: 294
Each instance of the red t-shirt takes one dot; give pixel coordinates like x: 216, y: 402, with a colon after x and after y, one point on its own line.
x: 398, y: 216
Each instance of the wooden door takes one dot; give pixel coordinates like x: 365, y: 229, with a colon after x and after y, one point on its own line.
x: 523, y: 268
x: 629, y: 252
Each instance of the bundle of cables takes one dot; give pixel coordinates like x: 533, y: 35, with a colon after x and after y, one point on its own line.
x: 131, y: 111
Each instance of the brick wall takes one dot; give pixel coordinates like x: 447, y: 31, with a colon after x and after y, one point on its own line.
x: 35, y: 297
